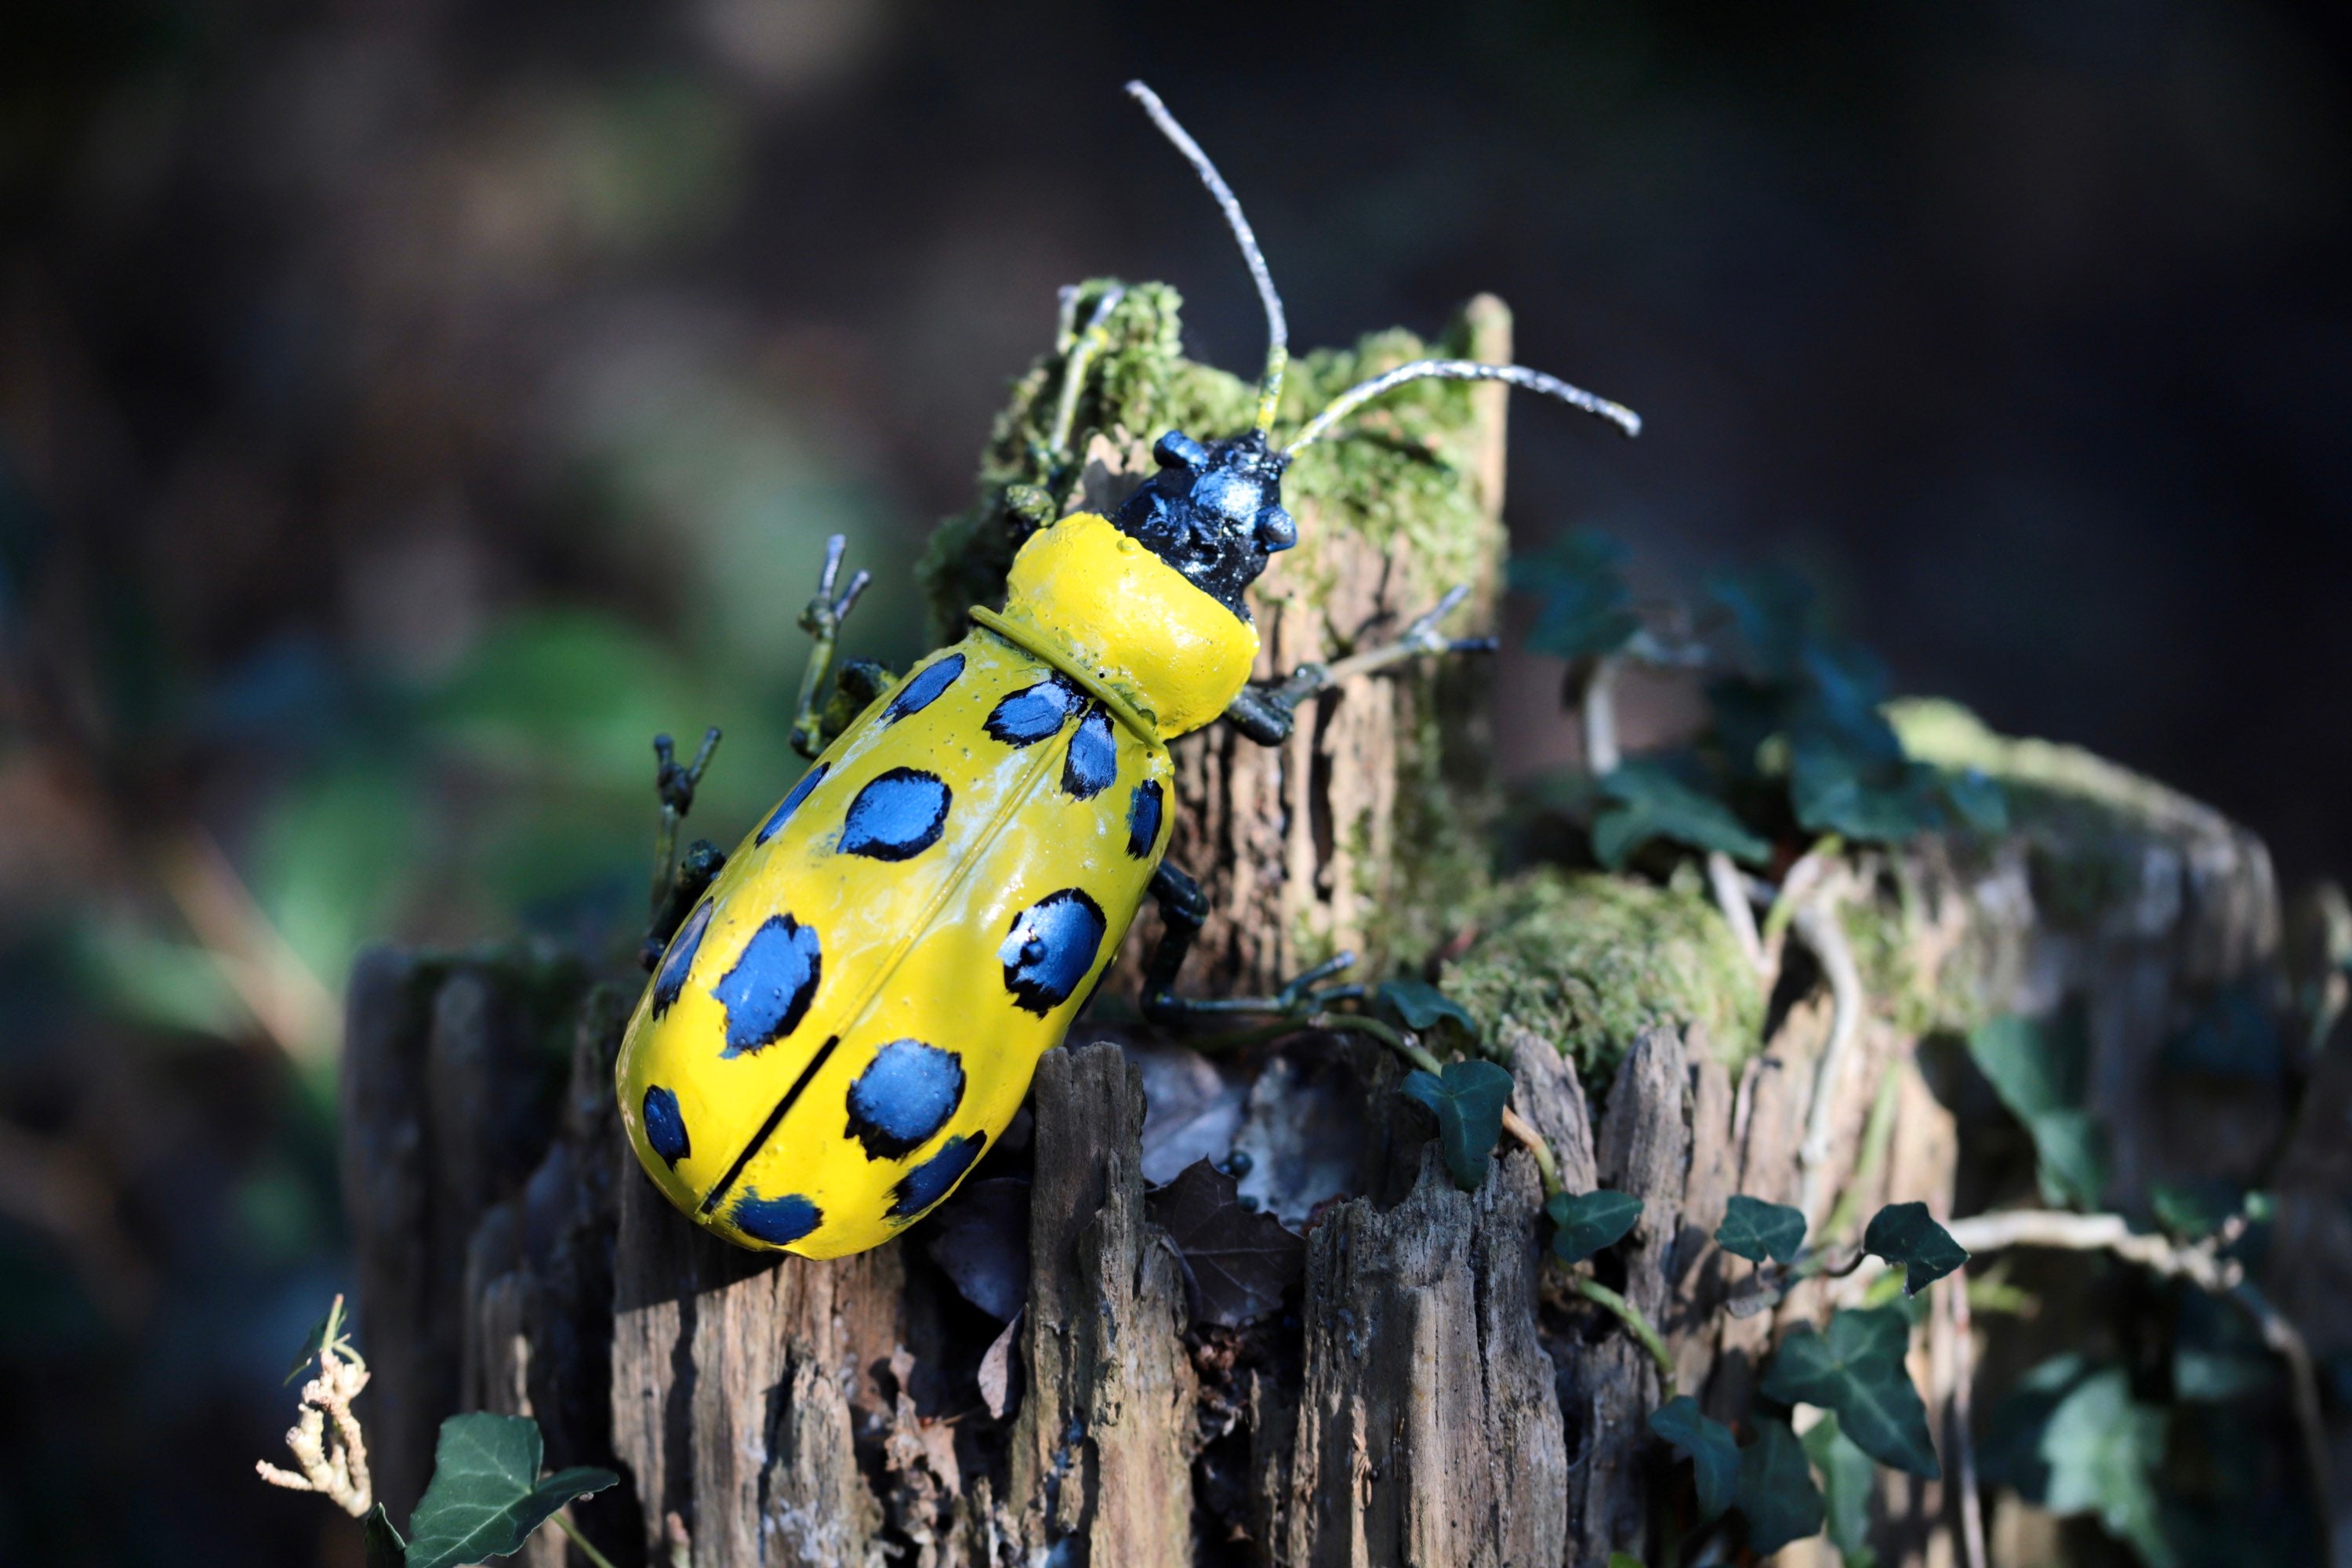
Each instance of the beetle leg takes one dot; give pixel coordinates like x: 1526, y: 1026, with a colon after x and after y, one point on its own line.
x: 1268, y: 713
x: 675, y: 785
x: 1184, y: 909
x: 822, y: 620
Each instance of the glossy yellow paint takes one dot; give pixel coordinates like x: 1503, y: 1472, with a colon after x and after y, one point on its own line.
x: 1173, y: 651
x: 957, y: 941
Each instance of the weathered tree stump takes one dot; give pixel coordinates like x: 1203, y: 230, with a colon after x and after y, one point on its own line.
x: 1433, y: 1395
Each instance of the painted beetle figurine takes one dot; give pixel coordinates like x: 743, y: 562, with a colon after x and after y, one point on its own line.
x: 846, y: 1014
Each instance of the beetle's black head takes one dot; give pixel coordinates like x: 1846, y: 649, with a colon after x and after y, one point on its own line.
x: 1213, y: 513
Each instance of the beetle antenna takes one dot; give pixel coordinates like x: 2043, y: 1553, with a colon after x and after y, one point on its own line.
x: 1277, y: 329
x: 1363, y: 392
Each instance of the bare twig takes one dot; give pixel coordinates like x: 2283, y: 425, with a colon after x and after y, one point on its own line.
x: 1964, y: 1445
x: 2286, y: 1342
x: 326, y: 1439
x: 1596, y: 712
x: 1816, y: 922
x: 1518, y: 1127
x: 2201, y: 1263
x: 1731, y: 897
x: 1797, y: 885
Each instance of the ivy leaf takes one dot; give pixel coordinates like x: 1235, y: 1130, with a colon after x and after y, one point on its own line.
x: 2102, y: 1451
x: 1980, y: 801
x: 384, y: 1547
x: 1905, y: 1233
x: 2010, y: 1452
x: 1426, y: 1011
x: 485, y: 1497
x: 1237, y: 1260
x: 1652, y: 803
x: 1591, y: 1221
x: 2193, y: 1209
x: 1586, y: 608
x: 1468, y: 1103
x: 2041, y: 1070
x: 1772, y: 611
x: 1708, y: 1443
x: 1848, y: 1479
x: 1755, y: 1230
x: 2217, y: 1354
x: 1864, y: 800
x: 1856, y: 1370
x: 1776, y: 1492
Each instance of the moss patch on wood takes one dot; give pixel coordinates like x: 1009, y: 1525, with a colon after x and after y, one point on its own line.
x: 2086, y: 822
x: 1589, y: 961
x: 1395, y: 475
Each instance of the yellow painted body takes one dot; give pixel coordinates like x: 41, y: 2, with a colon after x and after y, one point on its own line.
x: 950, y: 947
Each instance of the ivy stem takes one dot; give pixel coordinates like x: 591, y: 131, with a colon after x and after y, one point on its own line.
x: 1396, y: 1039
x: 562, y: 1517
x: 1599, y: 1295
x: 1401, y: 1042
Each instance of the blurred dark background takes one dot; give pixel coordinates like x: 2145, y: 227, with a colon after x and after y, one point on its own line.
x: 404, y: 410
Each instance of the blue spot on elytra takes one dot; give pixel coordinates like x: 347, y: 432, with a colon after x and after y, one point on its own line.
x: 1093, y: 761
x: 923, y: 687
x: 1050, y: 948
x: 669, y: 980
x: 779, y: 1222
x: 903, y: 1098
x: 665, y: 1128
x: 929, y: 1181
x: 791, y: 802
x: 767, y: 993
x: 1029, y: 716
x: 1143, y: 819
x: 896, y: 816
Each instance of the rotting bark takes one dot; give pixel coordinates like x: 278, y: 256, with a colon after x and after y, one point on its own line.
x: 1297, y: 845
x: 1102, y: 1452
x: 1438, y: 1395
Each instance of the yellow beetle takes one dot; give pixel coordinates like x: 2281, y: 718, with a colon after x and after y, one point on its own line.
x: 852, y: 1011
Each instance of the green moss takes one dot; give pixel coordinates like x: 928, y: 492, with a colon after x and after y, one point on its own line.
x: 1880, y: 931
x: 1397, y: 474
x: 1141, y: 385
x: 2086, y: 822
x: 1589, y: 961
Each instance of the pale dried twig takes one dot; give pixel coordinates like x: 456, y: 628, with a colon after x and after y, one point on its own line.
x: 326, y: 1440
x: 1817, y: 921
x: 1731, y: 897
x: 2201, y: 1263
